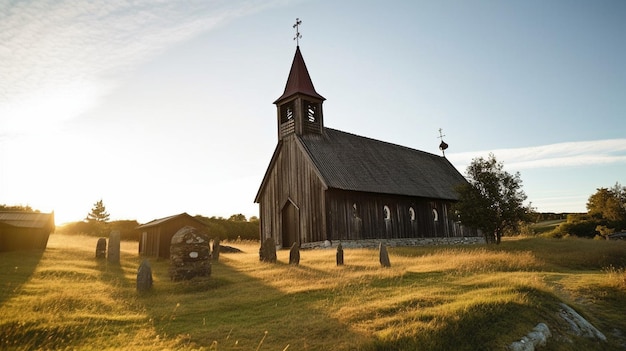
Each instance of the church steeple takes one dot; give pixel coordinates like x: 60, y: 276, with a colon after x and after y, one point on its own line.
x: 300, y: 106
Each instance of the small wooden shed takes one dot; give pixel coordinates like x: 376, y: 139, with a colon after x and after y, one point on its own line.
x: 25, y: 230
x: 156, y: 235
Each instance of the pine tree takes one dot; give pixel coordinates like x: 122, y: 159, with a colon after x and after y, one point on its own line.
x: 97, y: 219
x: 98, y: 213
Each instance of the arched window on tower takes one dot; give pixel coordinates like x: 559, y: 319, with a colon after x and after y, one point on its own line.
x: 310, y: 111
x: 287, y: 119
x: 286, y: 112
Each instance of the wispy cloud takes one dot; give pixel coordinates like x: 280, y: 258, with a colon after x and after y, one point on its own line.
x: 581, y: 153
x: 57, y: 58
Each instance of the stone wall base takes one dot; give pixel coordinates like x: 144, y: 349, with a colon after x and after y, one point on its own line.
x: 373, y: 243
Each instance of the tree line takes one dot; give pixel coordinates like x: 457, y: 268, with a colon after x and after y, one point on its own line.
x: 97, y: 223
x: 606, y: 214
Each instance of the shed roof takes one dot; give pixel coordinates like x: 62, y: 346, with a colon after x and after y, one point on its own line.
x: 350, y: 162
x: 299, y: 80
x: 27, y: 219
x: 160, y: 221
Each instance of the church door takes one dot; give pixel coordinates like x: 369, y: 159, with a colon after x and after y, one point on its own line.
x: 290, y: 224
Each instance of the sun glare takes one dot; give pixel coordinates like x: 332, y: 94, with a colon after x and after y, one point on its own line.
x: 47, y: 108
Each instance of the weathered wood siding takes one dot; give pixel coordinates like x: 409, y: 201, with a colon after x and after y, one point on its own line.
x: 355, y: 215
x: 14, y: 238
x: 292, y: 179
x: 158, y: 238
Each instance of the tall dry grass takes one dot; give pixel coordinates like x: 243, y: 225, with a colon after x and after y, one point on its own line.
x: 437, y: 298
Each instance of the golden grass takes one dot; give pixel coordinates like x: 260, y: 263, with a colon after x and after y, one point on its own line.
x: 437, y: 298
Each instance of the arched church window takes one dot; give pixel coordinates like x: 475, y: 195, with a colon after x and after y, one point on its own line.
x: 286, y: 112
x: 435, y: 215
x: 411, y: 213
x: 310, y: 111
x: 386, y: 213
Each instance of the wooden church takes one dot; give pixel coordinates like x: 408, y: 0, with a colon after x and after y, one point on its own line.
x: 323, y: 184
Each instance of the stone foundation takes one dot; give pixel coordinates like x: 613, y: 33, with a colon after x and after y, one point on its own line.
x: 374, y: 243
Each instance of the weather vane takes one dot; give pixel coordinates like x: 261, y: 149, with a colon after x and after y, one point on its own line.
x: 297, y: 27
x: 443, y: 146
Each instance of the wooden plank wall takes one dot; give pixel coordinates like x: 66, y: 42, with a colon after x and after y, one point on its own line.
x: 159, y: 237
x: 331, y: 215
x: 292, y: 178
x: 367, y: 221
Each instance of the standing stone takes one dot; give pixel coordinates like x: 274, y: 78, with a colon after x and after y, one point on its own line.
x: 267, y: 253
x: 339, y: 255
x: 190, y: 254
x: 384, y: 256
x: 144, y: 277
x: 294, y: 254
x: 113, y: 255
x: 101, y: 248
x: 216, y: 249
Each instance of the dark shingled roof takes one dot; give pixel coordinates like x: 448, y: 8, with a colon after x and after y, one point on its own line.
x: 299, y: 80
x: 157, y: 222
x: 351, y: 162
x: 27, y: 219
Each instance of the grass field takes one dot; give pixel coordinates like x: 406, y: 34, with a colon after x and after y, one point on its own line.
x: 436, y: 298
x: 546, y: 226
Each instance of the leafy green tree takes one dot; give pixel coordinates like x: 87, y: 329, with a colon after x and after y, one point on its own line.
x: 492, y: 199
x: 609, y: 204
x: 18, y: 208
x: 229, y: 229
x: 237, y: 218
x: 98, y: 218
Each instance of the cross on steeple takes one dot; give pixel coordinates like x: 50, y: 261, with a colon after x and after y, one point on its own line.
x: 443, y: 146
x: 440, y: 134
x: 297, y: 27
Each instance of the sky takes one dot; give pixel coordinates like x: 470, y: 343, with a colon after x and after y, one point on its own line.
x: 163, y: 107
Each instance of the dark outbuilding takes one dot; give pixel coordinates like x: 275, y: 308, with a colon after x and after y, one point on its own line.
x: 156, y: 235
x: 25, y: 230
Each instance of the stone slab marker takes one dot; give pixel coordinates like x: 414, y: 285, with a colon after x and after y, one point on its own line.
x: 216, y: 249
x: 294, y: 254
x: 267, y: 253
x: 101, y: 248
x: 113, y: 254
x: 339, y: 255
x: 384, y: 256
x: 144, y: 277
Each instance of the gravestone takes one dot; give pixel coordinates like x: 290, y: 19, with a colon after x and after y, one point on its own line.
x: 384, y: 256
x: 339, y: 255
x: 216, y: 249
x: 144, y: 277
x: 267, y: 252
x: 190, y: 254
x: 113, y: 254
x: 294, y: 254
x: 101, y: 248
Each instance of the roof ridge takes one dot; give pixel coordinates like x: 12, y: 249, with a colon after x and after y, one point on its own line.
x: 384, y: 142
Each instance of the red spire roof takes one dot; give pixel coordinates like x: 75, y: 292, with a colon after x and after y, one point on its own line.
x: 299, y: 80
